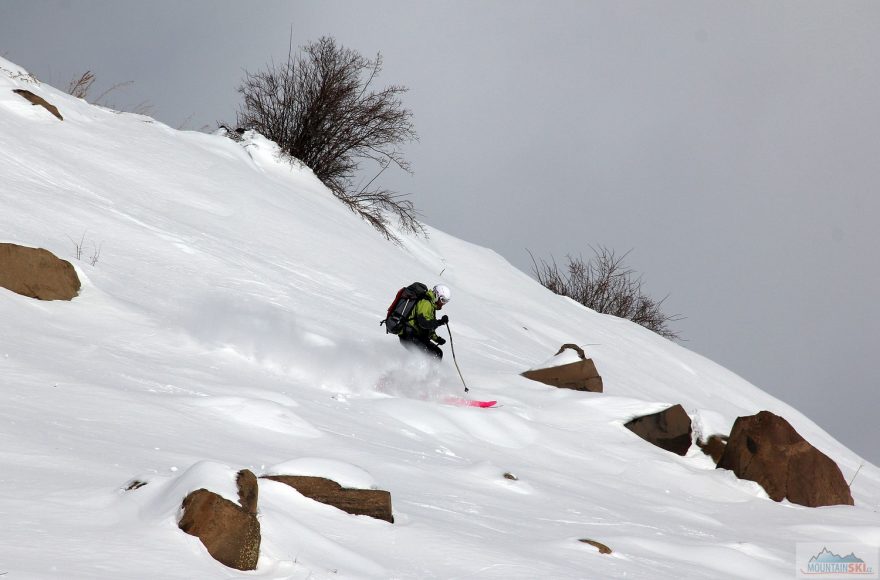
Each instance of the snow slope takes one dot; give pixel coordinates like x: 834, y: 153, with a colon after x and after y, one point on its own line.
x: 231, y: 321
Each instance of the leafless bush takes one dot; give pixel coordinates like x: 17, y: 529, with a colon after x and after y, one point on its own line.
x: 608, y: 287
x: 78, y: 246
x: 81, y: 88
x: 320, y: 107
x: 19, y: 75
x: 96, y: 254
x: 79, y: 249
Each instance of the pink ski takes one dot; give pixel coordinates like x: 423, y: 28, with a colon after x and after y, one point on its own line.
x: 469, y: 403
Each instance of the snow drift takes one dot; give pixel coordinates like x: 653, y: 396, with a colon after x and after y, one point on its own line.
x: 231, y: 322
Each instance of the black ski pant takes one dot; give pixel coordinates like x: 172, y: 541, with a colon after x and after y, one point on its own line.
x: 412, y: 341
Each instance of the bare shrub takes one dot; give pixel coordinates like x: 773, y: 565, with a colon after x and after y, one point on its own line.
x: 19, y: 75
x: 78, y: 246
x: 321, y: 108
x: 607, y: 286
x: 79, y: 249
x: 81, y: 88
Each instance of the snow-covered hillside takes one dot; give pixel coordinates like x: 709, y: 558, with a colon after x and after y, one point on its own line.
x: 231, y: 321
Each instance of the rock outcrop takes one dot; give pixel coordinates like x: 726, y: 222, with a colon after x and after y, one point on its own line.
x: 248, y: 491
x: 230, y: 532
x: 713, y: 446
x: 579, y: 375
x: 603, y: 549
x: 765, y: 448
x: 375, y: 503
x: 37, y: 273
x: 37, y: 100
x: 669, y: 429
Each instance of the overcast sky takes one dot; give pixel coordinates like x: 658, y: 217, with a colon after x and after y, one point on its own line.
x: 734, y: 147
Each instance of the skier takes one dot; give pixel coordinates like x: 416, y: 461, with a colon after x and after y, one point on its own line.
x: 419, y: 333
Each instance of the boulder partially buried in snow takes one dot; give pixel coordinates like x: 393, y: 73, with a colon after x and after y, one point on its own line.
x: 713, y: 446
x: 765, y: 448
x: 336, y: 483
x: 37, y: 273
x: 603, y: 549
x: 569, y: 368
x: 37, y: 100
x: 669, y: 429
x: 230, y: 532
x: 375, y: 503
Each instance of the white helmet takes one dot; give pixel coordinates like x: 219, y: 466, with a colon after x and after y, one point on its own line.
x: 442, y: 293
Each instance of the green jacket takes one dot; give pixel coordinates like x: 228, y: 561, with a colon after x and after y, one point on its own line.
x: 422, y: 319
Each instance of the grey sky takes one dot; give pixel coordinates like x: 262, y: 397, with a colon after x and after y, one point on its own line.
x: 733, y: 146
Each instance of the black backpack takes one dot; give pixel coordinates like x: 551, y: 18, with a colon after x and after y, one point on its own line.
x: 402, y: 307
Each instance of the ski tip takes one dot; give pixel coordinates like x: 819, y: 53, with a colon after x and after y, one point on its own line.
x: 484, y: 404
x: 470, y: 403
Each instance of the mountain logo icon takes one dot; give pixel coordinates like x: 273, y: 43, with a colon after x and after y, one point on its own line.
x: 827, y: 555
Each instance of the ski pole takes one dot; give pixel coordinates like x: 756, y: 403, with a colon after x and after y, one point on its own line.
x: 452, y: 347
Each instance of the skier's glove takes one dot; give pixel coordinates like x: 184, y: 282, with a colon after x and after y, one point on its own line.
x: 443, y: 320
x: 440, y: 340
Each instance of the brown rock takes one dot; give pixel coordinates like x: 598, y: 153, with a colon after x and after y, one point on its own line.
x: 37, y: 273
x: 229, y: 532
x: 366, y: 502
x: 580, y: 376
x: 38, y: 100
x: 713, y: 446
x: 603, y: 549
x: 248, y: 491
x: 669, y: 429
x: 765, y: 448
x: 135, y: 484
